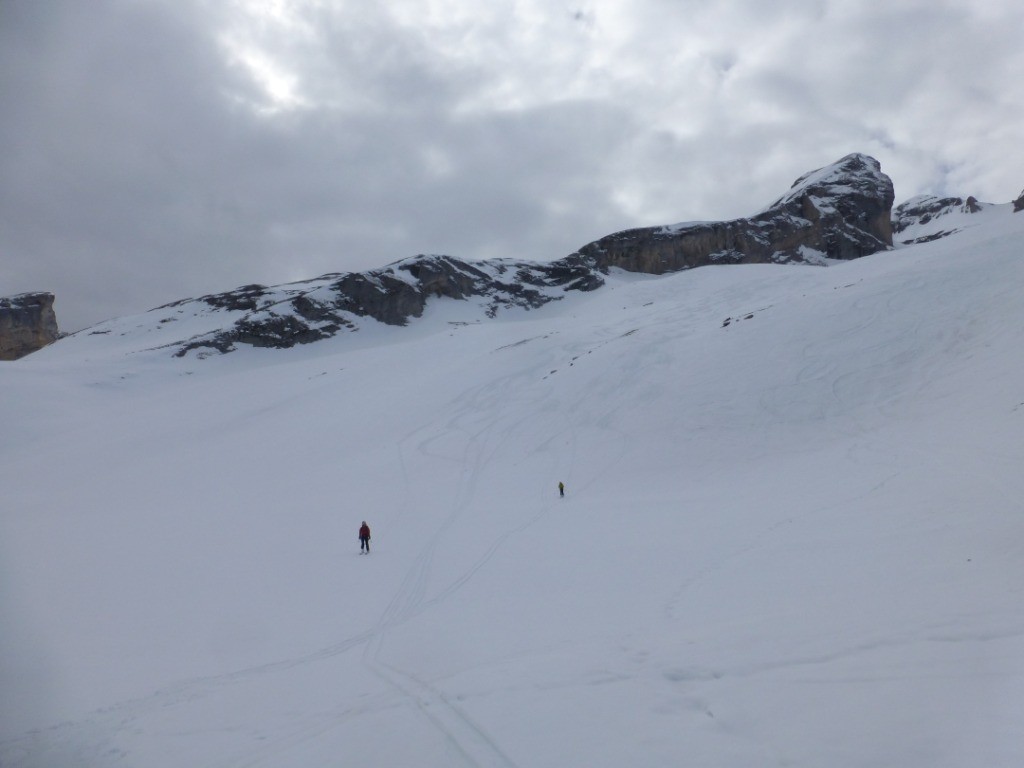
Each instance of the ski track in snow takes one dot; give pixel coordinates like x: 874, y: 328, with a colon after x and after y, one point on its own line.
x: 466, y: 738
x: 90, y: 741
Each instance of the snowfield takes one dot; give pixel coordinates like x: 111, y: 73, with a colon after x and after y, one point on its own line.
x: 793, y: 531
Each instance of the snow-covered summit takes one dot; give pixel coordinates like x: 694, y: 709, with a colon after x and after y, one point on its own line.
x: 855, y: 174
x: 835, y: 213
x: 840, y: 212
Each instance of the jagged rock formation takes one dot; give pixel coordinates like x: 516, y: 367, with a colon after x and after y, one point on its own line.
x: 928, y: 209
x: 1018, y: 204
x: 27, y: 323
x: 925, y: 218
x: 838, y: 212
x: 312, y: 310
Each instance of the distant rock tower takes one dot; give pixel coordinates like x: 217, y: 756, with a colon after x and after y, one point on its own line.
x: 27, y: 323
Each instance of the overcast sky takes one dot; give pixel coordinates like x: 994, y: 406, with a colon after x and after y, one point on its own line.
x: 152, y: 150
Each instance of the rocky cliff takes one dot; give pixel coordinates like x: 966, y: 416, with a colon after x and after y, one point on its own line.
x: 27, y: 323
x: 841, y: 211
x: 838, y: 212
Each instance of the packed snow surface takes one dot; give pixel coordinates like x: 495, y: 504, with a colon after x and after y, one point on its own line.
x: 793, y: 531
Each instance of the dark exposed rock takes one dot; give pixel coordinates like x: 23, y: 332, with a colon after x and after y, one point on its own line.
x: 245, y: 298
x: 922, y: 210
x: 27, y: 323
x: 838, y: 212
x: 280, y: 331
x: 320, y: 308
x: 925, y: 218
x: 1018, y: 204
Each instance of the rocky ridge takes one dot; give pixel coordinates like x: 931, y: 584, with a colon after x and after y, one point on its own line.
x: 838, y: 212
x: 931, y: 215
x: 926, y: 218
x: 308, y: 311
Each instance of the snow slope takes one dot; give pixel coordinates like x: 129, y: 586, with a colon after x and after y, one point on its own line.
x: 793, y: 532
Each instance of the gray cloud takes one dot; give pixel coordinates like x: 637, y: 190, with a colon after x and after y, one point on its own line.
x: 156, y: 150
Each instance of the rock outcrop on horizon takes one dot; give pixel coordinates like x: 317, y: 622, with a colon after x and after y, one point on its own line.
x: 838, y: 212
x: 308, y: 311
x: 27, y: 324
x: 931, y: 216
x: 925, y: 218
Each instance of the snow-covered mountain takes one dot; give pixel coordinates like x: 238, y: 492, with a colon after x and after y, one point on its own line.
x: 838, y: 212
x: 927, y: 217
x: 791, y: 533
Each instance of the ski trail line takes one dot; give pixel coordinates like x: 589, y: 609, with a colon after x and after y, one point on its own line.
x: 460, y: 732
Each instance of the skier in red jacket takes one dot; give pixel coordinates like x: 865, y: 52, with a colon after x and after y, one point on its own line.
x: 364, y: 538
